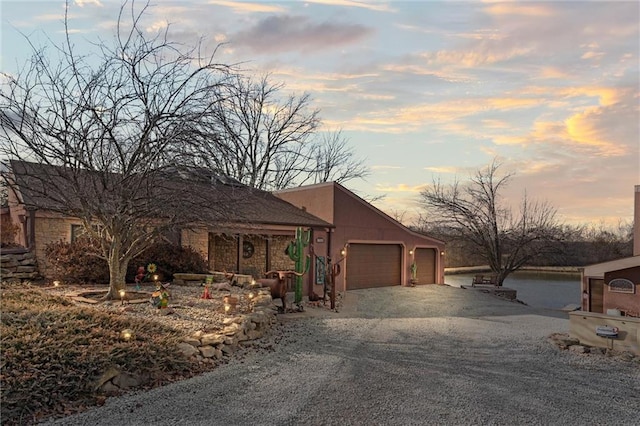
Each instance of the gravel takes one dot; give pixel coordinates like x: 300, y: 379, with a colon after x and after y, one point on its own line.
x: 399, y: 356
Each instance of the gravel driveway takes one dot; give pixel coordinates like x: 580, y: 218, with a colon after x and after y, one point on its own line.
x: 400, y: 356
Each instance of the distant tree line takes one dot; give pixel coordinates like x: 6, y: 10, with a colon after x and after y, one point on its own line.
x: 585, y: 244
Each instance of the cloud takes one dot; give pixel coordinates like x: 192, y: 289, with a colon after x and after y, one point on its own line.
x: 443, y: 169
x: 553, y: 72
x: 401, y: 187
x: 248, y: 7
x: 298, y: 33
x: 82, y: 3
x: 528, y: 10
x: 471, y: 58
x: 371, y: 5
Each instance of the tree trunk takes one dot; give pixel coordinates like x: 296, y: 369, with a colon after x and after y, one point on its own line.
x: 117, y: 273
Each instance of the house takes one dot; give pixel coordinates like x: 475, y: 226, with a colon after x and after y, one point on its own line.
x: 610, y: 315
x: 372, y: 249
x: 252, y: 242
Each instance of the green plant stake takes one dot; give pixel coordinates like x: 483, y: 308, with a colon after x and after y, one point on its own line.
x: 295, y: 250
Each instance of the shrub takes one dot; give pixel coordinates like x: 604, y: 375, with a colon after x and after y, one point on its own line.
x: 169, y: 259
x: 77, y: 262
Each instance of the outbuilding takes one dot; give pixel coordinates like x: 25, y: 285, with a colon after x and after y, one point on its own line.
x: 610, y: 315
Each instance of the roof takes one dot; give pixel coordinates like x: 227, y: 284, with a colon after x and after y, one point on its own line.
x: 217, y: 198
x: 599, y: 269
x: 364, y: 203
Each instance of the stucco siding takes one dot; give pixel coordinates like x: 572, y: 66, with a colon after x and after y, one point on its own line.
x: 315, y: 199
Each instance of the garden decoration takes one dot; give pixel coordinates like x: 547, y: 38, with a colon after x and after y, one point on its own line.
x: 160, y: 297
x: 230, y: 303
x: 144, y: 273
x: 414, y: 273
x: 295, y: 250
x: 333, y: 270
x: 205, y: 293
x: 207, y: 284
x: 140, y: 274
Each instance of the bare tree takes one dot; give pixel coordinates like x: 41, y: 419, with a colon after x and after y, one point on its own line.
x: 475, y: 212
x: 335, y: 161
x: 262, y: 138
x: 97, y: 137
x: 269, y: 140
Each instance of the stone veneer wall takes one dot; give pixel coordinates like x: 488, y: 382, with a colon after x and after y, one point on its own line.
x: 256, y: 264
x: 224, y: 254
x: 279, y: 259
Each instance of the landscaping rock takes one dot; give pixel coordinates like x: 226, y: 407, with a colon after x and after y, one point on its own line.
x: 579, y: 349
x: 187, y: 349
x: 126, y: 381
x: 212, y: 339
x: 193, y: 341
x: 207, y: 351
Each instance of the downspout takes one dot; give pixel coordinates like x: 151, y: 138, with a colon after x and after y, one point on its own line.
x: 239, y: 241
x: 312, y: 261
x: 268, y: 254
x: 31, y: 245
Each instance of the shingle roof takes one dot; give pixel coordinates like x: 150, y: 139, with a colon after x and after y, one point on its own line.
x: 224, y: 198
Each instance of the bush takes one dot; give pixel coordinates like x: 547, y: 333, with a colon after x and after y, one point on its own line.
x: 77, y: 262
x: 170, y: 259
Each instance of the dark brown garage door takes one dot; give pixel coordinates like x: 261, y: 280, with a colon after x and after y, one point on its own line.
x: 425, y: 259
x: 373, y: 265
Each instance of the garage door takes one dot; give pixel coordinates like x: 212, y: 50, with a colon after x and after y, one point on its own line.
x: 373, y: 265
x: 425, y: 259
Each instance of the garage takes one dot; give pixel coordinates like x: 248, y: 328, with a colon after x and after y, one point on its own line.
x: 373, y: 265
x: 425, y: 259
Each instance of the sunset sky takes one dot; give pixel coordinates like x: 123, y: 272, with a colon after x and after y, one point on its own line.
x: 426, y: 89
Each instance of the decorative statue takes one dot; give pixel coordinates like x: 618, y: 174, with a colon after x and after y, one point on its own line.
x: 160, y: 297
x: 140, y: 275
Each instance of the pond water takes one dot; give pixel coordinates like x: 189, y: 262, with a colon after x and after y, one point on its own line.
x: 553, y: 290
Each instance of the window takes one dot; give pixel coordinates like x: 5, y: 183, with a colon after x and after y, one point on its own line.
x: 77, y: 231
x: 621, y: 285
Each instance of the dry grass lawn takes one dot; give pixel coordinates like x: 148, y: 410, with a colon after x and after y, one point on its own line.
x: 54, y: 353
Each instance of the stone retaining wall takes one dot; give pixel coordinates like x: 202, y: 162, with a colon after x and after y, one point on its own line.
x: 207, y: 347
x: 18, y: 266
